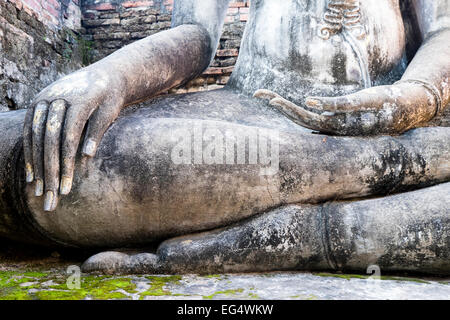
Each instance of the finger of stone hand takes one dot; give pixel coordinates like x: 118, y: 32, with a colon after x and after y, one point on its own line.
x: 365, y: 100
x: 99, y: 122
x: 331, y: 104
x: 27, y: 144
x: 266, y: 94
x: 38, y: 128
x: 76, y: 119
x: 55, y: 120
x: 298, y: 114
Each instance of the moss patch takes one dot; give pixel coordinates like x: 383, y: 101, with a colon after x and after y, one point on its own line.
x: 158, y: 286
x: 218, y: 277
x: 76, y: 46
x: 10, y: 285
x: 35, y: 274
x: 253, y: 296
x: 93, y: 287
x: 213, y: 276
x: 225, y: 292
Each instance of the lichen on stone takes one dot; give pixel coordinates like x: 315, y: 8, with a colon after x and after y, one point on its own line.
x: 91, y: 287
x: 158, y: 286
x: 230, y: 292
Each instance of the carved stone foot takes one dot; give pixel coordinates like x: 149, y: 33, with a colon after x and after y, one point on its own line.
x: 112, y: 262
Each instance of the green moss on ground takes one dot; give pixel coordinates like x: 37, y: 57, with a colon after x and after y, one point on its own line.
x: 213, y: 276
x: 51, y: 285
x: 158, y: 286
x: 224, y: 292
x: 94, y: 287
x: 12, y: 284
x: 35, y: 274
x: 254, y: 296
x: 218, y: 277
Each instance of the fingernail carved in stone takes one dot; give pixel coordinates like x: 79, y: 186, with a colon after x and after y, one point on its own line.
x: 29, y: 173
x: 50, y: 201
x: 66, y: 185
x: 39, y: 191
x: 311, y: 102
x: 89, y: 148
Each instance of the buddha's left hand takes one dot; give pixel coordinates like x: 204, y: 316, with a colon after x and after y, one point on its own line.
x: 377, y: 110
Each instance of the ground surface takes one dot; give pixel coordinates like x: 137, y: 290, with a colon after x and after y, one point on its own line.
x: 27, y: 273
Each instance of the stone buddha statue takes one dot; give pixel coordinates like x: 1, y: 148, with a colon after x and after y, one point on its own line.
x: 317, y: 155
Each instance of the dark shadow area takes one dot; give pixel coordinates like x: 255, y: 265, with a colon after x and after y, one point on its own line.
x: 16, y: 255
x: 24, y: 256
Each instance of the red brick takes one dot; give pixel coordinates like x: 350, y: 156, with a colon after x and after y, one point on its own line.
x: 237, y: 4
x: 213, y: 71
x: 229, y: 19
x: 55, y: 4
x: 18, y: 4
x: 135, y: 4
x: 28, y: 10
x: 51, y: 10
x: 243, y: 17
x: 49, y: 20
x: 33, y: 5
x: 101, y: 7
x: 218, y: 71
x: 244, y: 10
x: 228, y: 69
x: 89, y: 15
x: 227, y: 53
x: 232, y: 11
x: 169, y: 5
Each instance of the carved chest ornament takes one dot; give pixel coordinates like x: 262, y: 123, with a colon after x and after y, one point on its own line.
x: 342, y: 15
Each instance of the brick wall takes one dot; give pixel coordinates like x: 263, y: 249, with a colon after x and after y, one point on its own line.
x: 53, y: 13
x: 111, y: 24
x: 39, y: 43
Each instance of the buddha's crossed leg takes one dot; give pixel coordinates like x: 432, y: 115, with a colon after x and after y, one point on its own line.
x: 404, y: 232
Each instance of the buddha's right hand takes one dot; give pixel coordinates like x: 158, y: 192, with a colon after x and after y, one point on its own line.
x: 97, y: 93
x: 54, y: 125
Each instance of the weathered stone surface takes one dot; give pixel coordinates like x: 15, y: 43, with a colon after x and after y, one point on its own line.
x: 50, y: 284
x: 33, y: 55
x: 154, y: 197
x: 299, y: 286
